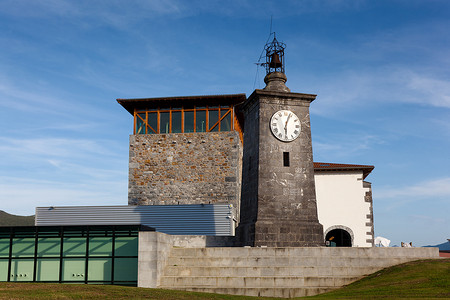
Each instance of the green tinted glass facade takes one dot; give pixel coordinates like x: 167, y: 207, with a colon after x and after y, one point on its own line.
x: 82, y: 254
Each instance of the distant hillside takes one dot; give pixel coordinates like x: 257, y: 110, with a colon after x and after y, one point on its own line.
x: 13, y: 220
x: 443, y: 246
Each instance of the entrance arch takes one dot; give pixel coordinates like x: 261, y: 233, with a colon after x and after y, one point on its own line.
x: 339, y: 236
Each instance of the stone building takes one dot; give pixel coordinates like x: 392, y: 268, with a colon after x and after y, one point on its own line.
x: 186, y: 150
x: 254, y: 154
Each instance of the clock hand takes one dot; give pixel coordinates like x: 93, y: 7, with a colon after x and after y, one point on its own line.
x: 285, y: 125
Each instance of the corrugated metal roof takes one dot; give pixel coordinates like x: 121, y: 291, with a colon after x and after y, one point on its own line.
x: 196, y: 219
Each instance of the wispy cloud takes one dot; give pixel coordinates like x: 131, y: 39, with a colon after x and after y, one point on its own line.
x: 60, y: 171
x: 389, y: 66
x: 78, y: 161
x: 430, y: 91
x: 20, y: 196
x: 431, y: 190
x: 109, y: 10
x: 344, y: 146
x: 426, y: 219
x: 120, y: 14
x: 352, y: 90
x: 54, y: 147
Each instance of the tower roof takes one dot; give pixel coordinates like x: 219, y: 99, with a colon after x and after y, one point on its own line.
x: 366, y: 169
x: 144, y: 103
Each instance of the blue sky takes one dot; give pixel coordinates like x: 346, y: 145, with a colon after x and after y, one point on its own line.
x: 381, y: 70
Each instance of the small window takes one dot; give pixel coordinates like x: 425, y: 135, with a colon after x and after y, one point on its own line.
x: 164, y: 126
x: 200, y: 122
x: 152, y: 122
x: 189, y: 121
x: 286, y: 159
x: 213, y: 119
x: 140, y: 121
x: 225, y: 124
x: 176, y: 121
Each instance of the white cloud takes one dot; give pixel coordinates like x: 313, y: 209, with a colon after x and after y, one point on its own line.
x: 39, y: 98
x: 109, y: 10
x: 427, y: 220
x: 431, y: 189
x: 21, y: 196
x: 53, y: 147
x: 431, y: 91
x: 344, y: 146
x: 30, y: 8
x: 68, y: 161
x: 355, y: 90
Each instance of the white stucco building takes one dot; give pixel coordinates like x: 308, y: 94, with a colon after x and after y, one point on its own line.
x: 344, y: 204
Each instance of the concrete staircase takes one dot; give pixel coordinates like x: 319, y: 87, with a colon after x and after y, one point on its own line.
x: 276, y: 272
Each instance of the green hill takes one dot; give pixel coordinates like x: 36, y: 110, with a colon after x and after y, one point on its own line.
x: 423, y: 279
x: 13, y: 220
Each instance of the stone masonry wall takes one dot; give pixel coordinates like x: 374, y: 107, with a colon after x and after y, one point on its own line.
x: 368, y: 198
x: 188, y: 168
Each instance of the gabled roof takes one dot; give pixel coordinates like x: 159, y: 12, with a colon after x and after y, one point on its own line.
x: 320, y: 166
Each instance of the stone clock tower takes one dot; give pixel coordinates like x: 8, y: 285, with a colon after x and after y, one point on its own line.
x: 278, y: 205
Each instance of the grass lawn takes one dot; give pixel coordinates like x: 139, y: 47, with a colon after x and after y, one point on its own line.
x: 420, y: 279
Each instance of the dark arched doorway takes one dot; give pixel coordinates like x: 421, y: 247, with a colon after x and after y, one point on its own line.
x: 339, y: 238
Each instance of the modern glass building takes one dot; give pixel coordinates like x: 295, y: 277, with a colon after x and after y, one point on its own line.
x: 70, y: 254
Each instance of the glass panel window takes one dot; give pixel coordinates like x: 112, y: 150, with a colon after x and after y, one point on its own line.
x: 74, y: 246
x: 188, y: 121
x: 176, y: 121
x: 47, y: 269
x: 213, y: 118
x: 126, y: 246
x: 164, y: 118
x: 140, y: 126
x: 100, y: 246
x: 22, y: 270
x: 49, y: 246
x: 99, y: 269
x: 4, y: 270
x: 200, y: 121
x: 4, y: 247
x: 23, y: 247
x: 152, y: 123
x: 73, y: 269
x: 125, y: 269
x: 225, y: 124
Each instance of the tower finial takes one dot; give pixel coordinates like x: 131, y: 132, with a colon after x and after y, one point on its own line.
x: 274, y: 56
x: 275, y: 77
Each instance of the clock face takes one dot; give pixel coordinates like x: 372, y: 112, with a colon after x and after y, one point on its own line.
x: 285, y: 125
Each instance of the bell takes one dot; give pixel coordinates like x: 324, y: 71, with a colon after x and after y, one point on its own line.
x: 275, y: 61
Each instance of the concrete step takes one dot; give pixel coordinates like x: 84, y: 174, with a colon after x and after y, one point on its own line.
x: 261, y: 292
x: 183, y: 270
x: 263, y: 261
x: 276, y: 272
x: 253, y: 281
x: 373, y: 252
